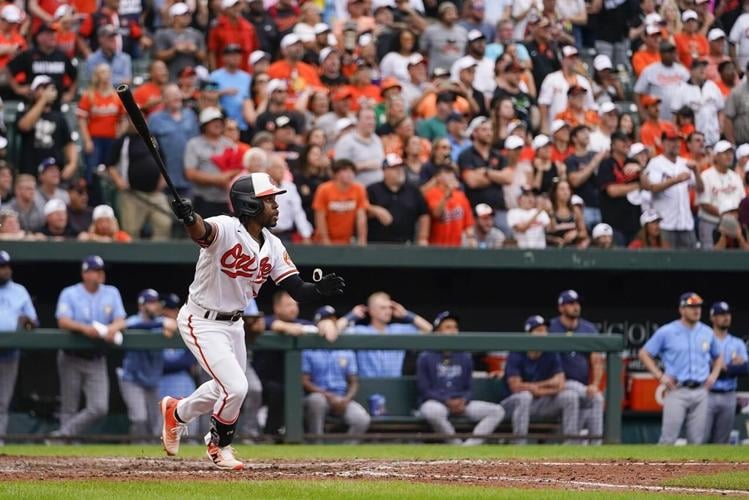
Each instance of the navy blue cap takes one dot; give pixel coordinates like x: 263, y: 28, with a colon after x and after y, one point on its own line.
x: 46, y: 163
x: 325, y: 312
x: 720, y: 308
x: 455, y: 117
x: 568, y: 297
x: 171, y: 300
x: 148, y: 295
x: 534, y: 322
x: 92, y: 263
x: 4, y: 258
x: 444, y: 315
x: 690, y: 299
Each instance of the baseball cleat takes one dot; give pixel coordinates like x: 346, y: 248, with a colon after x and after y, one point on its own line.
x: 173, y: 429
x: 223, y: 458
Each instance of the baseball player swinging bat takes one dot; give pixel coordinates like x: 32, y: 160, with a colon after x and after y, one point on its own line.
x: 238, y: 254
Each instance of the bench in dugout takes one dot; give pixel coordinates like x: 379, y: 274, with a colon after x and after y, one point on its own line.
x: 403, y: 421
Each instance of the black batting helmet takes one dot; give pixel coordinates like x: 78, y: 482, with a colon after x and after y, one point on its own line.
x: 246, y: 192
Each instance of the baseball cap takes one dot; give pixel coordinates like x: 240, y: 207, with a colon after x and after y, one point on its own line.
x: 442, y: 317
x: 558, y: 125
x: 654, y: 18
x: 261, y: 184
x: 602, y: 229
x: 4, y: 258
x: 666, y: 47
x: 439, y: 72
x: 635, y: 149
x: 277, y: 84
x: 540, y: 141
x: 514, y: 142
x: 256, y: 56
x: 444, y: 6
x: 289, y: 40
x: 602, y: 62
x: 461, y: 64
x: 282, y: 121
x: 226, y: 4
x: 482, y: 210
x: 652, y: 29
x: 689, y: 15
x: 171, y: 300
x: 107, y: 30
x: 415, y: 59
x: 365, y: 39
x: 40, y: 81
x: 54, y: 205
x: 514, y: 124
x: 209, y: 85
x: 568, y: 297
x: 697, y: 62
x: 92, y: 263
x: 475, y: 123
x: 103, y: 212
x: 606, y: 107
x: 715, y: 34
x: 576, y: 89
x: 649, y: 216
x: 648, y: 100
x: 148, y: 295
x: 742, y: 151
x: 670, y: 133
x: 179, y: 9
x: 321, y: 28
x: 389, y: 83
x: 324, y: 312
x: 569, y: 51
x: 209, y: 114
x: 454, y: 117
x: 690, y: 299
x: 12, y: 14
x: 342, y: 93
x: 342, y: 124
x: 392, y: 160
x: 577, y: 200
x: 474, y: 35
x: 324, y: 53
x: 534, y: 322
x: 720, y: 308
x: 722, y: 147
x: 45, y: 164
x: 233, y: 48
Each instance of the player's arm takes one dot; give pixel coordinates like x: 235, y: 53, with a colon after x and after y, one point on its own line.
x: 550, y: 386
x: 200, y: 231
x: 303, y: 291
x: 516, y: 384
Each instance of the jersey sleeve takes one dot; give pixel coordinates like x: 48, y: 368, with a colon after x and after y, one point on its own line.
x: 283, y: 267
x: 512, y: 365
x: 222, y: 225
x: 64, y: 305
x: 119, y: 308
x: 320, y: 202
x: 28, y: 309
x: 654, y: 345
x: 351, y: 367
x: 362, y: 200
x: 306, y: 363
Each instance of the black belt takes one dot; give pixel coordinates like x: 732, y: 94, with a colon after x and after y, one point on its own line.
x: 722, y: 391
x: 691, y: 384
x: 235, y: 316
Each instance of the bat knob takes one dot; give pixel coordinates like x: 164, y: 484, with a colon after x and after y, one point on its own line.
x: 123, y: 87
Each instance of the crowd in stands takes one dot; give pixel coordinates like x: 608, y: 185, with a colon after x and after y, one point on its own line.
x: 698, y: 366
x: 528, y: 123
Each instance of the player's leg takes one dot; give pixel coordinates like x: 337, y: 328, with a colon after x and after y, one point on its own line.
x: 316, y: 408
x: 71, y: 378
x: 567, y: 402
x: 696, y: 416
x: 674, y: 412
x: 518, y: 406
x: 8, y: 375
x: 96, y: 393
x: 137, y: 410
x: 357, y: 419
x: 153, y: 415
x: 249, y: 427
x: 436, y: 414
x: 724, y: 417
x: 713, y: 407
x: 488, y: 415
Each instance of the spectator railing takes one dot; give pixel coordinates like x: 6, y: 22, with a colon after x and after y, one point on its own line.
x: 293, y: 346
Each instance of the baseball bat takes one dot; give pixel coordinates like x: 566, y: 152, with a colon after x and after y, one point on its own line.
x: 139, y: 122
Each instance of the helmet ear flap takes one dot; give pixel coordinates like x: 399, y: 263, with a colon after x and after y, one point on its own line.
x: 253, y: 207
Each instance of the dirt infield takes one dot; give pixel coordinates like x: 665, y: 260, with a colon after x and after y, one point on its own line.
x: 607, y: 475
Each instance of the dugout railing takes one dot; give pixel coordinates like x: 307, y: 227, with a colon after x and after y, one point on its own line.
x: 292, y: 347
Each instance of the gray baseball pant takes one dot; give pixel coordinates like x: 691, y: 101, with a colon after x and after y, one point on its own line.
x: 142, y: 405
x: 316, y: 407
x: 248, y: 425
x: 522, y: 407
x: 488, y: 416
x: 8, y: 375
x: 680, y: 405
x: 90, y: 375
x: 591, y: 409
x: 721, y: 413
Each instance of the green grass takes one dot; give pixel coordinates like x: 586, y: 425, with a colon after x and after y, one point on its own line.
x: 410, y: 452
x: 738, y: 480
x: 327, y: 489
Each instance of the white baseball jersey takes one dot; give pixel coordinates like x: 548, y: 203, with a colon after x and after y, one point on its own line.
x: 231, y: 270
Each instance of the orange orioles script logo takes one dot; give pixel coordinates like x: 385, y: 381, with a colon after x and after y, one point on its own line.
x: 236, y: 264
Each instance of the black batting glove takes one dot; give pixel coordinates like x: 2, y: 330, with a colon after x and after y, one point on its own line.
x: 183, y: 210
x: 330, y: 284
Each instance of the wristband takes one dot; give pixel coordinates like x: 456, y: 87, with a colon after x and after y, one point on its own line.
x: 351, y: 317
x: 409, y: 317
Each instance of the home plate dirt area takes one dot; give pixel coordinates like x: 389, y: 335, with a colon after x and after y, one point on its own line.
x: 615, y: 475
